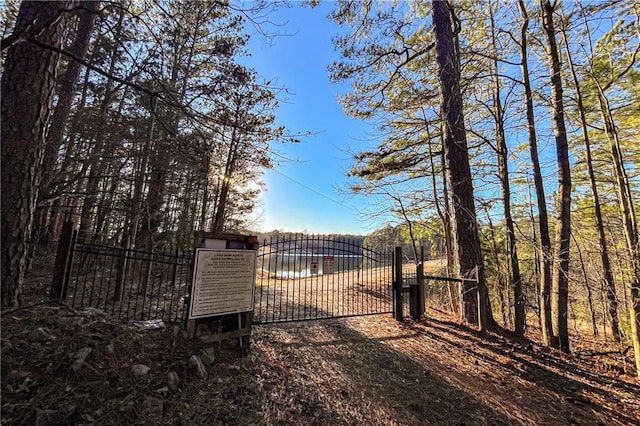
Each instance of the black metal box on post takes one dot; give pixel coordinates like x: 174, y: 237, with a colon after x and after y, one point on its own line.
x: 222, y: 287
x: 416, y: 291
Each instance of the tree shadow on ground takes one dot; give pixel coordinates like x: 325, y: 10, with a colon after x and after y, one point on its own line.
x: 431, y: 372
x: 583, y: 393
x: 342, y: 376
x: 520, y: 349
x: 364, y: 381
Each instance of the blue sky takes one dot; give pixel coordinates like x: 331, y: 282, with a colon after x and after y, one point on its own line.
x: 303, y: 194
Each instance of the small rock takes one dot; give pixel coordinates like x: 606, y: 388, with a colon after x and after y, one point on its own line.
x: 196, y: 363
x: 19, y: 374
x: 151, y: 412
x: 233, y: 368
x: 41, y: 334
x: 95, y: 312
x: 172, y: 379
x: 140, y: 370
x: 202, y: 330
x: 179, y: 332
x: 163, y: 391
x: 108, y: 349
x: 71, y: 321
x: 208, y: 356
x: 79, y: 358
x: 127, y: 405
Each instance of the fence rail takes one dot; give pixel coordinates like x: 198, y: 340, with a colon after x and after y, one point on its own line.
x: 131, y: 284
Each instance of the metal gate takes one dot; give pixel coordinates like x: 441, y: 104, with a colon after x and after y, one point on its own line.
x: 123, y: 282
x: 307, y: 277
x: 298, y: 277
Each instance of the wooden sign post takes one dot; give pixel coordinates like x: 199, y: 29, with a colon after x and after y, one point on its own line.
x: 222, y: 286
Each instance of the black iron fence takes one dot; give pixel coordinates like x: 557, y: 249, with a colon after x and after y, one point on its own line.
x: 124, y: 282
x: 298, y: 277
x: 304, y: 277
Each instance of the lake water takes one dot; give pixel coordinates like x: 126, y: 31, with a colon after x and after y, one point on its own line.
x: 300, y: 265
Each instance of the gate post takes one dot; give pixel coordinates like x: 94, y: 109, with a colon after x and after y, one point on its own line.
x: 421, y: 301
x: 416, y: 294
x: 64, y: 257
x: 122, y: 264
x: 397, y: 285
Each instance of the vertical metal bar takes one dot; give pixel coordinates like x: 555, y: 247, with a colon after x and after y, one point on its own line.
x: 314, y: 278
x: 261, y: 275
x: 141, y: 272
x: 77, y: 280
x: 321, y: 244
x: 269, y: 285
x: 398, y: 299
x: 320, y: 279
x: 67, y: 275
x: 118, y: 253
x: 307, y: 267
x: 281, y: 268
x: 296, y: 276
x: 174, y: 275
x: 95, y: 272
x: 269, y: 269
x: 287, y: 254
x: 130, y: 271
x: 356, y: 279
x: 61, y: 268
x: 122, y: 269
x: 421, y: 288
x: 105, y: 260
x: 160, y: 298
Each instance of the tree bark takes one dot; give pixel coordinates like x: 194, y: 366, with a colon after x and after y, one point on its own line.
x: 476, y: 308
x: 98, y: 163
x: 625, y: 200
x: 66, y: 93
x: 443, y: 213
x: 612, y: 300
x: 503, y: 174
x: 28, y: 83
x: 544, y: 250
x: 560, y: 283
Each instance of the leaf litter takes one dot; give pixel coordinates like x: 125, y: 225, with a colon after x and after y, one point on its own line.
x: 77, y: 367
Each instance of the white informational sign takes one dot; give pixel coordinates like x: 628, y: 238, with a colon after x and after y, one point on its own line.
x: 223, y: 282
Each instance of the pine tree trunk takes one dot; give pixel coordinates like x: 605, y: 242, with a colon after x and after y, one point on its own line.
x: 59, y: 183
x: 625, y: 200
x: 503, y: 174
x: 592, y: 311
x: 98, y: 163
x: 560, y: 283
x: 612, y: 305
x: 476, y: 309
x: 504, y: 306
x: 443, y: 214
x: 66, y: 93
x: 545, y: 254
x: 28, y: 83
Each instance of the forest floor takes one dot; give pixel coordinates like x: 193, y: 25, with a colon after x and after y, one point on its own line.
x: 64, y: 366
